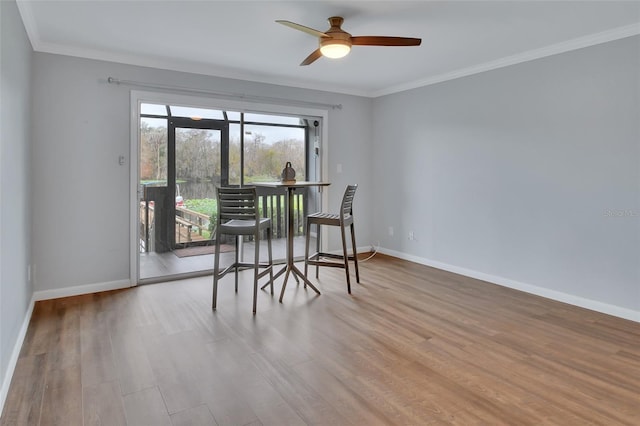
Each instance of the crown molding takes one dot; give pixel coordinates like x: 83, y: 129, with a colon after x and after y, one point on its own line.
x: 567, y: 46
x: 25, y: 10
x: 191, y: 67
x: 38, y: 45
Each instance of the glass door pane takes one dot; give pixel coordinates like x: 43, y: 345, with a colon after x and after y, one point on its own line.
x: 268, y: 148
x: 198, y: 171
x: 153, y: 183
x: 198, y: 162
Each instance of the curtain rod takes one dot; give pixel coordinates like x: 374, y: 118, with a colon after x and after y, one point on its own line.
x: 232, y: 96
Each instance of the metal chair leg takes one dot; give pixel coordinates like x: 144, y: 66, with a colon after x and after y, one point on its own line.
x: 306, y: 250
x: 216, y: 268
x: 237, y: 259
x: 256, y: 270
x: 270, y: 258
x: 346, y: 258
x: 355, y: 252
x: 318, y: 249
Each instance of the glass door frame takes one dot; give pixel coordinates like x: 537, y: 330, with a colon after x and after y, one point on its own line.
x: 206, y: 100
x: 188, y: 123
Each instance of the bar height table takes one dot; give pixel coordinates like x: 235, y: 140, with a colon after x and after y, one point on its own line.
x: 290, y: 268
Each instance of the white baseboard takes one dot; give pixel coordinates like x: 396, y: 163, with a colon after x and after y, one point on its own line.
x: 13, y: 360
x: 571, y: 299
x: 363, y: 249
x: 81, y: 289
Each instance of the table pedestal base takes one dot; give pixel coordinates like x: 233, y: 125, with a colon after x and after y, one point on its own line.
x: 290, y: 268
x: 293, y: 270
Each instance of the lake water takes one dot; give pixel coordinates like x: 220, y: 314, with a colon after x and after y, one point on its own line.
x: 197, y: 190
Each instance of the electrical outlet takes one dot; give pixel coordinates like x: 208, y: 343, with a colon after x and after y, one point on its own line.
x: 412, y: 236
x: 339, y: 168
x: 391, y: 231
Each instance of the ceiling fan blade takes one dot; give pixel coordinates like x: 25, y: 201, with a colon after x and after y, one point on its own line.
x: 385, y: 41
x: 312, y: 58
x: 302, y: 28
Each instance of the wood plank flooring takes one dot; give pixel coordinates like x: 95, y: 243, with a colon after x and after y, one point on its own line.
x: 412, y: 345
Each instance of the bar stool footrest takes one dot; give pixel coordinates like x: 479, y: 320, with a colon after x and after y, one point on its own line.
x: 316, y: 260
x: 225, y: 271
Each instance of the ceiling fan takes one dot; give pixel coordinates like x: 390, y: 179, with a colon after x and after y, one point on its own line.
x: 336, y: 42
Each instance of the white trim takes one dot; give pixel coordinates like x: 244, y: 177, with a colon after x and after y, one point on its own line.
x: 574, y: 44
x: 199, y: 92
x: 46, y: 295
x: 190, y: 67
x: 360, y: 250
x: 324, y: 175
x: 29, y: 23
x: 81, y: 289
x: 571, y: 299
x: 13, y: 360
x: 134, y: 179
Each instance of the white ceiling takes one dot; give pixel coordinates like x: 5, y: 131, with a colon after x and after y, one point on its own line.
x: 239, y: 39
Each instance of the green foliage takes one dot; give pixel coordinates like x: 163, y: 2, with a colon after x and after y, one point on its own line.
x: 198, y: 155
x: 202, y: 205
x: 264, y: 160
x: 260, y: 178
x: 207, y: 206
x: 153, y: 152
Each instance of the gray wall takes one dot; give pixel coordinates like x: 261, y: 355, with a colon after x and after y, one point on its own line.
x: 15, y: 218
x: 81, y: 195
x: 529, y: 173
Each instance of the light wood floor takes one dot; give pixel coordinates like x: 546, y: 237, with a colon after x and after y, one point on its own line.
x: 412, y: 345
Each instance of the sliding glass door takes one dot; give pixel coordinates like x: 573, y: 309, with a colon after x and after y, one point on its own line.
x: 185, y: 153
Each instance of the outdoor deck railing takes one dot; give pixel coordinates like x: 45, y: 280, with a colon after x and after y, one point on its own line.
x: 193, y: 226
x: 273, y: 205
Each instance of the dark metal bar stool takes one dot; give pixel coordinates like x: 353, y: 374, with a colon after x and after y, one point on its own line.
x: 239, y: 215
x: 343, y: 219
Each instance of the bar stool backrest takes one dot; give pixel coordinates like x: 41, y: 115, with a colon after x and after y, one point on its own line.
x: 347, y: 202
x: 237, y: 203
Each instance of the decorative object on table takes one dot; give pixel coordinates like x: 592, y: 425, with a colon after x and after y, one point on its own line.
x: 288, y: 174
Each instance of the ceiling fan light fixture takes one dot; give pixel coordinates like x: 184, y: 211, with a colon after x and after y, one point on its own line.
x: 335, y: 48
x: 336, y: 42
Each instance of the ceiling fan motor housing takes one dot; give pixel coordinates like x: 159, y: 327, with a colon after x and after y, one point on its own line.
x: 338, y: 43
